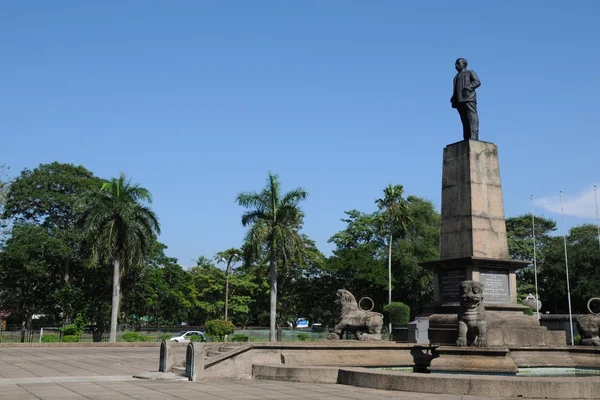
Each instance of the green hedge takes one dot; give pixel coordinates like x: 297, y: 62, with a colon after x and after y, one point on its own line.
x: 49, y: 339
x: 240, y: 337
x: 218, y: 328
x: 303, y: 336
x: 70, y: 339
x: 71, y: 330
x: 195, y: 338
x: 397, y: 313
x: 134, y: 337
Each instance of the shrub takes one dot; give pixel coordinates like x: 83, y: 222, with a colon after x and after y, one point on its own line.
x: 134, y: 337
x: 0, y: 339
x: 71, y: 330
x: 218, y: 328
x: 70, y: 338
x: 576, y: 340
x: 165, y: 336
x: 49, y: 339
x: 303, y: 336
x: 253, y: 339
x: 528, y: 310
x: 240, y: 337
x: 397, y: 313
x: 195, y: 338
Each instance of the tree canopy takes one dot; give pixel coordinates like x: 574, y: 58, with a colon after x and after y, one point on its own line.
x: 83, y: 248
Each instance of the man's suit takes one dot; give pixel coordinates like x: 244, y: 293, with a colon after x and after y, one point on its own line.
x: 464, y: 99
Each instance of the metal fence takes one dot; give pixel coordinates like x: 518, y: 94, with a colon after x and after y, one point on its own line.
x: 252, y: 334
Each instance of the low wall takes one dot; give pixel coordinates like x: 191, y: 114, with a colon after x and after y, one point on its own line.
x: 336, y: 363
x: 474, y: 385
x: 566, y: 356
x: 317, y: 354
x: 560, y: 322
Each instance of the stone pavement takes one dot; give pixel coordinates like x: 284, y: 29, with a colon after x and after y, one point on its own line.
x: 50, y: 373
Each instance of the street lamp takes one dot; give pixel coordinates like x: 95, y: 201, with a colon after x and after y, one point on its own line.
x: 227, y: 272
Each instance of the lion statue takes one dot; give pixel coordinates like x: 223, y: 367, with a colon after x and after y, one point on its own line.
x: 366, y: 325
x: 588, y: 327
x: 472, y: 325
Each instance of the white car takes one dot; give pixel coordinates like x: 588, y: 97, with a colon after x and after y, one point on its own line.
x: 184, y: 337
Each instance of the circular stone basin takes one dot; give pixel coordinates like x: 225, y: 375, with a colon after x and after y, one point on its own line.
x: 523, y: 372
x: 551, y: 371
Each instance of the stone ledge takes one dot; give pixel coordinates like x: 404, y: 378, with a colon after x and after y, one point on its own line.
x: 439, y: 383
x: 474, y: 385
x: 473, y: 359
x: 296, y: 373
x: 474, y: 261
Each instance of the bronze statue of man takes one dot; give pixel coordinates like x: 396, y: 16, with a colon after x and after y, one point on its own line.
x: 464, y: 99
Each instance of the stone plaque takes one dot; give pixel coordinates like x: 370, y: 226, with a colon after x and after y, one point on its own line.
x: 496, y: 287
x: 450, y: 280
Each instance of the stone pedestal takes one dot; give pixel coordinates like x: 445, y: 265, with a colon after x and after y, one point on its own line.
x: 473, y: 246
x: 473, y: 360
x: 498, y: 276
x: 472, y: 207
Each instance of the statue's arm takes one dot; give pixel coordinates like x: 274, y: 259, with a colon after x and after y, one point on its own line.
x: 475, y: 83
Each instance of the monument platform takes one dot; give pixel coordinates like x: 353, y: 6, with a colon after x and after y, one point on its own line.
x: 473, y: 246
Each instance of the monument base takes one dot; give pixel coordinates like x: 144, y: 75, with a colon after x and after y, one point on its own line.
x: 508, y: 326
x: 473, y: 360
x: 497, y: 275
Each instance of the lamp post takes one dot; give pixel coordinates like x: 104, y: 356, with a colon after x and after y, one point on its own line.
x: 229, y: 257
x: 227, y: 272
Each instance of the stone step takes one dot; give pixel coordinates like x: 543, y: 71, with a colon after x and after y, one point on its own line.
x: 179, y: 371
x: 213, y: 353
x: 160, y: 376
x: 225, y: 349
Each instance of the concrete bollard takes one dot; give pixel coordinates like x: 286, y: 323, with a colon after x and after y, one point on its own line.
x: 194, y: 361
x: 167, y: 357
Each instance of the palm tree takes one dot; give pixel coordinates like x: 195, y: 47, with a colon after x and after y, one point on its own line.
x: 274, y: 221
x: 396, y: 215
x: 120, y: 229
x: 230, y: 257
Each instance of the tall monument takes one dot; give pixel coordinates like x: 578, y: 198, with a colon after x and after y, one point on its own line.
x: 473, y: 243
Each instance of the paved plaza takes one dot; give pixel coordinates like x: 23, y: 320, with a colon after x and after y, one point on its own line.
x: 29, y: 373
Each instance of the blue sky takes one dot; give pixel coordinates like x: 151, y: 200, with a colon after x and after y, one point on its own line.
x: 197, y: 100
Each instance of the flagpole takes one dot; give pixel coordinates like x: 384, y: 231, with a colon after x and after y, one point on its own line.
x: 537, y: 302
x: 567, y: 268
x: 597, y: 217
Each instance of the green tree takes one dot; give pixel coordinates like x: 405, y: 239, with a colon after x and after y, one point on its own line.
x: 356, y: 263
x: 584, y: 266
x: 120, y: 229
x: 158, y: 291
x: 294, y: 278
x: 208, y: 302
x: 230, y: 257
x: 4, y: 186
x: 46, y: 197
x: 395, y: 215
x: 274, y: 220
x: 28, y: 268
x: 519, y: 233
x: 413, y: 284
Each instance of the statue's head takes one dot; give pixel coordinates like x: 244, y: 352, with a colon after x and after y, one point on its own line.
x: 471, y: 293
x: 461, y: 64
